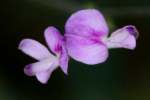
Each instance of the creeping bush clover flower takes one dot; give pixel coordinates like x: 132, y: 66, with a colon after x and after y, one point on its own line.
x: 86, y: 40
x: 47, y: 62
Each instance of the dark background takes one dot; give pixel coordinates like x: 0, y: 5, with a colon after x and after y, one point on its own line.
x: 124, y: 76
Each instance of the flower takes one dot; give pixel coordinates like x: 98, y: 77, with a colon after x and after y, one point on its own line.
x: 47, y: 62
x: 87, y: 40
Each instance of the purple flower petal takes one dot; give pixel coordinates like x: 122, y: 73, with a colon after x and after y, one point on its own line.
x: 123, y: 38
x: 64, y: 59
x: 44, y: 76
x: 132, y: 30
x: 85, y: 50
x: 40, y: 66
x: 87, y: 23
x: 53, y: 39
x: 42, y: 70
x: 34, y: 49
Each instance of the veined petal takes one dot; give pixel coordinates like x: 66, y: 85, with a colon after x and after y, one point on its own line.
x: 85, y: 50
x: 123, y: 38
x: 64, y: 59
x: 40, y: 66
x: 53, y: 39
x: 34, y: 49
x: 87, y: 23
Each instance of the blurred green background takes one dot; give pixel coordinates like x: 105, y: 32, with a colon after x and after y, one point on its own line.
x: 124, y: 76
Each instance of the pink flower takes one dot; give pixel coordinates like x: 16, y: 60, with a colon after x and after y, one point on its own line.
x: 47, y: 62
x: 87, y: 40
